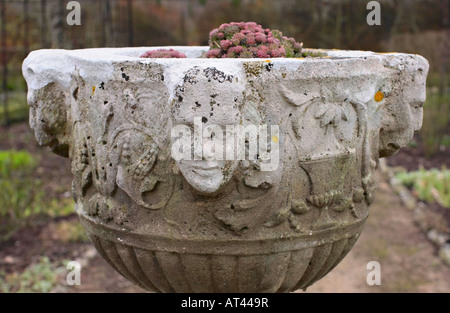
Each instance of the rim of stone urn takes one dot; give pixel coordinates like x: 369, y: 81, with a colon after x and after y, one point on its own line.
x: 94, y: 62
x: 195, y: 54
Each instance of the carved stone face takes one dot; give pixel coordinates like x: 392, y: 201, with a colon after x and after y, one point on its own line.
x: 48, y: 117
x: 215, y: 107
x: 403, y: 113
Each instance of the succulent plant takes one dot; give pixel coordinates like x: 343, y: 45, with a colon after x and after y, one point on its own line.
x: 163, y: 53
x: 250, y: 40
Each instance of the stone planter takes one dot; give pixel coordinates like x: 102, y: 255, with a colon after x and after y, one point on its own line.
x: 237, y: 225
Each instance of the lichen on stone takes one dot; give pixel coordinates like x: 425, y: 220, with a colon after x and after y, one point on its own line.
x: 253, y: 68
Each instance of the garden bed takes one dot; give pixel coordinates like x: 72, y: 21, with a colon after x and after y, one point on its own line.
x: 432, y: 217
x: 413, y: 158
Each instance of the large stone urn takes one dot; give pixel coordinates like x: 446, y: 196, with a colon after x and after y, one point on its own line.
x: 284, y: 206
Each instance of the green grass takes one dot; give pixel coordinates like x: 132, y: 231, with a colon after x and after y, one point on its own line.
x: 70, y: 232
x: 413, y: 144
x: 435, y: 121
x: 60, y: 207
x: 430, y: 185
x: 38, y: 277
x: 446, y: 141
x: 20, y: 193
x: 435, y: 79
x: 18, y: 109
x: 22, y: 196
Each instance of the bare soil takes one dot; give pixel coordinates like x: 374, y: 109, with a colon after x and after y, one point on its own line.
x: 413, y: 158
x: 408, y: 261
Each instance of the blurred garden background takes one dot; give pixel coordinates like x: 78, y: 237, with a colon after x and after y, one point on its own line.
x: 39, y: 231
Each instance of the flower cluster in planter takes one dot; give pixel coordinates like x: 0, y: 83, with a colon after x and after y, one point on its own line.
x: 242, y: 40
x: 163, y: 53
x: 250, y: 40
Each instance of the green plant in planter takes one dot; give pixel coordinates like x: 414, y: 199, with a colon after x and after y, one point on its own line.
x: 250, y: 40
x: 242, y: 40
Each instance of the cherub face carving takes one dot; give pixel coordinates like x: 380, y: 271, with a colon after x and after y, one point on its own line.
x: 48, y: 117
x: 403, y: 113
x: 214, y: 104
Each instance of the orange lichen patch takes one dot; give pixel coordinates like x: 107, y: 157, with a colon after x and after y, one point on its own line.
x: 379, y: 96
x: 93, y: 90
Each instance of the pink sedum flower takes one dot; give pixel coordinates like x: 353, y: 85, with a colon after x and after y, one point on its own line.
x: 262, y: 54
x: 236, y: 50
x: 260, y: 38
x: 238, y: 38
x: 213, y: 33
x: 213, y: 53
x: 163, y: 53
x: 278, y: 53
x: 250, y: 40
x: 225, y: 44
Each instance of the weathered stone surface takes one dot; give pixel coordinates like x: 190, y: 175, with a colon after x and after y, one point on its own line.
x: 210, y: 225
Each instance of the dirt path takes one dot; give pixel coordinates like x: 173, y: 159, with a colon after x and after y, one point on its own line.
x: 408, y: 260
